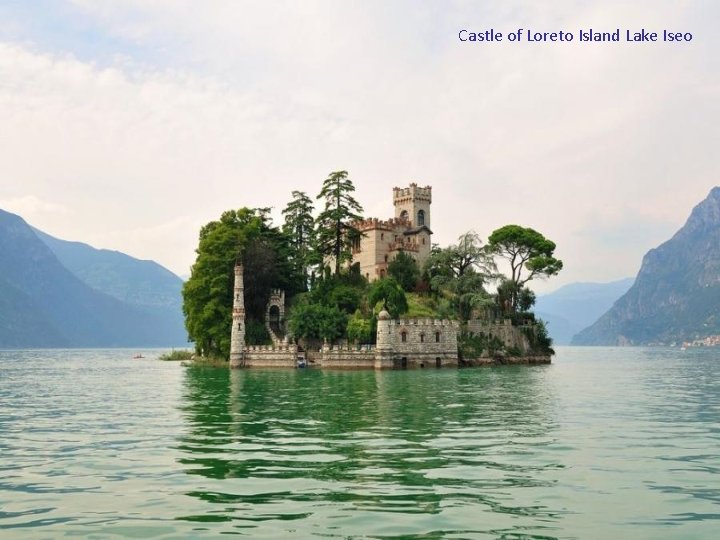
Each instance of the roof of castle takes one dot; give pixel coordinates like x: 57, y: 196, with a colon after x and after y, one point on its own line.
x: 416, y: 230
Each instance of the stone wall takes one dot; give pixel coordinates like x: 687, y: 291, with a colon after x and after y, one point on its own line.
x: 283, y: 356
x: 340, y: 357
x: 511, y: 336
x: 424, y: 342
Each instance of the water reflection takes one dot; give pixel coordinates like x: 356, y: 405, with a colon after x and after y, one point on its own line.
x: 343, y: 449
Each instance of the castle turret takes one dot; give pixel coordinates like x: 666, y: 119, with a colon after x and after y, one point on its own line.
x: 237, y: 334
x: 384, y: 347
x: 413, y: 204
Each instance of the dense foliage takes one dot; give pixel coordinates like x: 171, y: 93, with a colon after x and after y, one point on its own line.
x: 327, y: 305
x: 300, y: 229
x: 391, y: 294
x: 207, y: 295
x: 335, y: 233
x: 405, y: 270
x: 529, y: 254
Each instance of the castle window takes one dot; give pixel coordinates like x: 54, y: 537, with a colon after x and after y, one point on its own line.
x: 421, y: 218
x: 385, y: 258
x: 239, y: 326
x: 404, y: 215
x: 382, y: 236
x: 422, y: 338
x: 403, y: 336
x: 437, y: 337
x: 423, y: 241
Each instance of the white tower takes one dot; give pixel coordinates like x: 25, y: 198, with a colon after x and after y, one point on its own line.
x: 237, y: 334
x: 384, y: 347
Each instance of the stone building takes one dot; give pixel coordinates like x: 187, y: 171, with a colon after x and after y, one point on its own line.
x: 408, y: 231
x: 403, y: 343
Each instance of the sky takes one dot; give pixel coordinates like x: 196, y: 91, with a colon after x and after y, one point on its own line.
x: 130, y: 124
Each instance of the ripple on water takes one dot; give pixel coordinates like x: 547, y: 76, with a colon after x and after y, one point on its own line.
x: 604, y: 442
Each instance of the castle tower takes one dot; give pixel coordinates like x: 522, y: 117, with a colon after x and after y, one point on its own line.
x: 384, y: 347
x: 413, y: 204
x: 237, y: 334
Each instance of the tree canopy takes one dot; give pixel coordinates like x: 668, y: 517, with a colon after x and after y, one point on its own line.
x: 405, y: 270
x: 391, y: 294
x: 335, y: 234
x: 299, y: 227
x: 245, y: 234
x: 529, y: 253
x: 462, y: 269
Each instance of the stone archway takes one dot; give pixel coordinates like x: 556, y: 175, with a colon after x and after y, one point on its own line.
x: 275, y: 315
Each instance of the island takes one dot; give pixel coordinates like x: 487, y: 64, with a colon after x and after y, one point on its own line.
x: 344, y: 291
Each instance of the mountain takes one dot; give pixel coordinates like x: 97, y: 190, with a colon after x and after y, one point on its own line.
x: 44, y: 304
x: 575, y: 306
x: 676, y: 295
x: 136, y: 282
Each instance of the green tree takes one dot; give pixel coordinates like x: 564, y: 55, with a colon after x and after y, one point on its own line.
x: 467, y: 256
x: 299, y: 227
x: 462, y: 270
x: 405, y: 270
x: 335, y: 232
x: 389, y: 291
x: 208, y: 293
x: 316, y: 321
x: 529, y: 253
x: 359, y: 328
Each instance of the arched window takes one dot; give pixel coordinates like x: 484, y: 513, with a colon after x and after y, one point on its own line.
x: 404, y: 214
x: 421, y: 218
x: 437, y: 337
x: 403, y: 336
x: 422, y: 338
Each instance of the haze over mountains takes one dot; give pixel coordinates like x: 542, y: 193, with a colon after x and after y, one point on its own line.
x: 575, y: 306
x: 676, y: 295
x: 55, y: 293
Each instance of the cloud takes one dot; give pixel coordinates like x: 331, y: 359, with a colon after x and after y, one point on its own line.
x: 30, y: 206
x: 191, y: 109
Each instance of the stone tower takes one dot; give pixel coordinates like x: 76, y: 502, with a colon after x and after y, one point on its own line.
x: 237, y: 334
x: 413, y: 204
x: 384, y: 347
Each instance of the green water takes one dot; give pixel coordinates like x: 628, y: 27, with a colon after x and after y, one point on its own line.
x: 603, y: 443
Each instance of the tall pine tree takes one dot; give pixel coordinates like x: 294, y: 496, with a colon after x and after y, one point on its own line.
x: 335, y: 230
x: 299, y: 228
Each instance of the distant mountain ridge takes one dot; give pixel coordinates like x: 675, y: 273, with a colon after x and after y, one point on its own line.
x: 676, y: 295
x: 134, y: 281
x: 43, y: 303
x: 575, y: 306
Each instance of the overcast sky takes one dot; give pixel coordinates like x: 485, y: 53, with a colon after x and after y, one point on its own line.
x: 129, y: 124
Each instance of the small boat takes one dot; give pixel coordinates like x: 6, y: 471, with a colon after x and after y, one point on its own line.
x: 138, y: 356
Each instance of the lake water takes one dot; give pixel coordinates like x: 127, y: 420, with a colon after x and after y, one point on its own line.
x: 603, y: 443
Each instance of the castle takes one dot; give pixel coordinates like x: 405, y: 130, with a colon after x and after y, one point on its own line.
x: 408, y: 231
x: 401, y: 343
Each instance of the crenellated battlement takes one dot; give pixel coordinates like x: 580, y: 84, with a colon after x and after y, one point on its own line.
x: 386, y: 224
x: 277, y: 295
x: 401, y: 195
x: 425, y: 322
